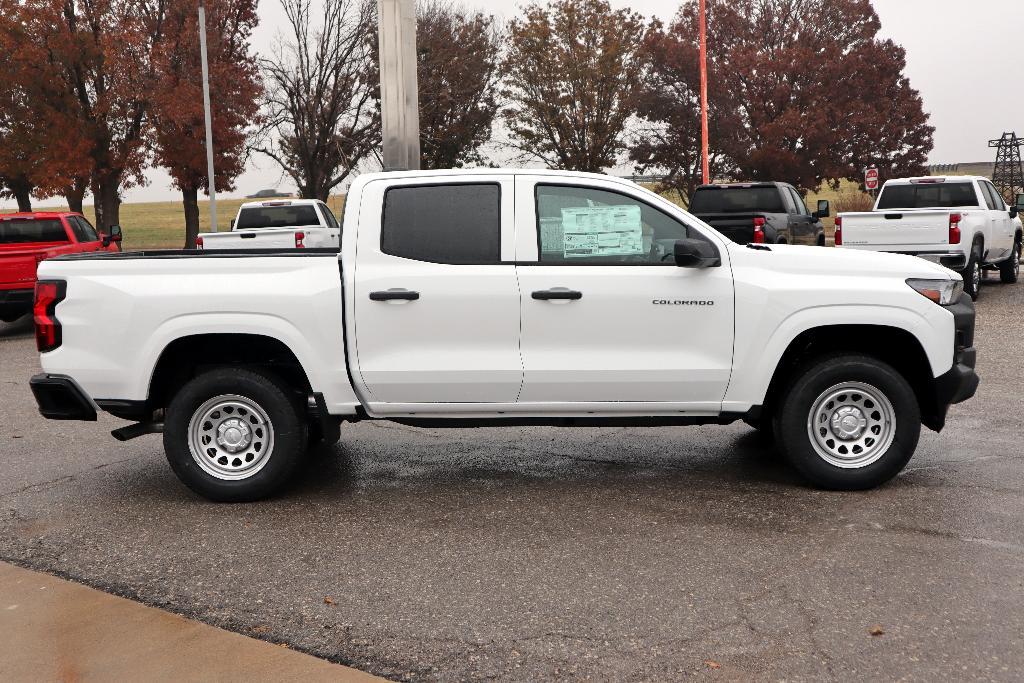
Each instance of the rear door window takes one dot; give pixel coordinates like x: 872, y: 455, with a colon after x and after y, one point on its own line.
x: 332, y: 222
x: 995, y: 202
x: 83, y: 231
x: 457, y: 224
x: 278, y: 216
x: 26, y: 230
x: 928, y: 196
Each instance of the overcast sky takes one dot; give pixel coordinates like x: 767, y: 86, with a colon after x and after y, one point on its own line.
x: 964, y: 57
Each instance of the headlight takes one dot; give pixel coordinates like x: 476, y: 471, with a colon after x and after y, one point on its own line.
x: 942, y: 292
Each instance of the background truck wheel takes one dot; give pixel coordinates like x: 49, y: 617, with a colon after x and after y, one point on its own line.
x: 234, y: 435
x: 848, y: 423
x: 972, y: 274
x: 1009, y: 269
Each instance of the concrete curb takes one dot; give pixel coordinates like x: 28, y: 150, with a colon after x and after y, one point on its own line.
x: 62, y: 631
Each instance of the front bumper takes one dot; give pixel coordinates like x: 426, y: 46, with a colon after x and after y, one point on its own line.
x: 961, y: 381
x: 60, y: 398
x: 14, y: 303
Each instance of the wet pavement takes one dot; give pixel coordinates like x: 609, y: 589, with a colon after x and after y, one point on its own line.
x: 547, y: 553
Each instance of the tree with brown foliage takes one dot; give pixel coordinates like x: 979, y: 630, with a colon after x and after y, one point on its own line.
x: 668, y: 136
x: 457, y: 68
x: 99, y: 57
x: 802, y: 91
x: 572, y: 77
x: 41, y: 153
x: 319, y: 106
x: 177, y: 99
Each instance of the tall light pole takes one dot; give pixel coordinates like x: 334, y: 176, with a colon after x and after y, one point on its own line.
x: 399, y: 89
x: 704, y: 92
x: 208, y: 117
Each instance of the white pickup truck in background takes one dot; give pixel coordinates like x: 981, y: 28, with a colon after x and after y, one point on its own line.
x: 278, y: 224
x: 960, y: 222
x: 505, y: 297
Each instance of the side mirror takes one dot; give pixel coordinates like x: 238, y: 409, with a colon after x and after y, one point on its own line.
x: 1020, y: 203
x: 115, y: 233
x: 696, y: 254
x: 1014, y: 211
x: 232, y: 223
x: 824, y: 209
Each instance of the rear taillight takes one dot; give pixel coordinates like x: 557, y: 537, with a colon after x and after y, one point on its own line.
x: 49, y: 293
x: 839, y: 231
x: 954, y: 228
x: 758, y: 230
x: 199, y: 243
x: 300, y: 238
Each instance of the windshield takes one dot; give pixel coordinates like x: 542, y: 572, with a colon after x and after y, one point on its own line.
x: 290, y: 216
x: 736, y: 200
x: 25, y: 230
x: 931, y: 196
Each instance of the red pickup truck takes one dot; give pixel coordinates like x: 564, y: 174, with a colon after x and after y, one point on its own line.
x: 28, y: 238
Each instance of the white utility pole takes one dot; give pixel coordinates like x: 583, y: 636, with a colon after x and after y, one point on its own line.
x: 206, y: 112
x: 399, y: 90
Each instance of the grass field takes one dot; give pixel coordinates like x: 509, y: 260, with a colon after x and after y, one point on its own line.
x: 161, y: 225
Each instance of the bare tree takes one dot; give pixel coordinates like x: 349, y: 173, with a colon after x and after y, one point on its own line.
x: 319, y: 104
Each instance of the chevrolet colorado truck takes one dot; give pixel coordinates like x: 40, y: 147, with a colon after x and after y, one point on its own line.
x: 760, y: 213
x: 960, y: 222
x: 277, y: 224
x: 27, y: 239
x: 490, y: 297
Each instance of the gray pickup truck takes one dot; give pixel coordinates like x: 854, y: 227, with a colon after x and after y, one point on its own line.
x: 771, y: 213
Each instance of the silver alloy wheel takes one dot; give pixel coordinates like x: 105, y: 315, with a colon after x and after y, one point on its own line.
x: 851, y: 425
x: 976, y: 275
x: 1016, y: 260
x: 230, y: 437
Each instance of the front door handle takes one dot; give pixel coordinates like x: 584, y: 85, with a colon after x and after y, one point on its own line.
x: 557, y: 295
x: 394, y: 295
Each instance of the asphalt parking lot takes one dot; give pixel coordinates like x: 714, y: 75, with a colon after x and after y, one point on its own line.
x: 543, y: 553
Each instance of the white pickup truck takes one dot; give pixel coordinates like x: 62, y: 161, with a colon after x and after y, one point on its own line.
x: 277, y: 224
x: 464, y: 298
x: 960, y: 222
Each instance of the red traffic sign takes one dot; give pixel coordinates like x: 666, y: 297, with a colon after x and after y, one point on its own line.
x: 871, y: 179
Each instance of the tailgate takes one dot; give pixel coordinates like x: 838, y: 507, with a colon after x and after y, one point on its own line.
x: 18, y: 269
x: 262, y: 238
x: 896, y: 227
x: 738, y: 227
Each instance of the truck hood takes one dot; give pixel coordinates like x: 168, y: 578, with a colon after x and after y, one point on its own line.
x: 802, y: 260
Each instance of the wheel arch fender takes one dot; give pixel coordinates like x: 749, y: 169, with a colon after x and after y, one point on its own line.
x: 829, y: 328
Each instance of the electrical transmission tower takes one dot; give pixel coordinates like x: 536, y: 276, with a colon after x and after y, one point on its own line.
x: 1008, y: 176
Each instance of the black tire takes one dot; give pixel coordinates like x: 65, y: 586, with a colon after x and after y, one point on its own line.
x: 973, y: 274
x: 1009, y: 270
x: 826, y: 377
x: 821, y: 240
x: 272, y: 406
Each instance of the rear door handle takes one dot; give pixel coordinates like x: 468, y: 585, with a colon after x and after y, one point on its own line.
x: 557, y: 295
x: 394, y: 295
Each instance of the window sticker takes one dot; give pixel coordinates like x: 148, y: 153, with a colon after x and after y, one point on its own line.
x: 551, y: 236
x: 602, y: 231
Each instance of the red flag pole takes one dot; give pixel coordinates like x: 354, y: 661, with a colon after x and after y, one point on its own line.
x: 704, y: 91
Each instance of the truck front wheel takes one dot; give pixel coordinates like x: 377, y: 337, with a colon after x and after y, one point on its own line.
x: 848, y: 423
x: 234, y: 435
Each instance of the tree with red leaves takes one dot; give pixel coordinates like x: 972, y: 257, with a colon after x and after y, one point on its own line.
x: 802, y: 91
x: 177, y: 99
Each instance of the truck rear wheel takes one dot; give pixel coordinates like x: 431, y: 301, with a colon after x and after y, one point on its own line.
x: 973, y: 274
x: 848, y: 423
x: 1009, y: 270
x: 234, y: 435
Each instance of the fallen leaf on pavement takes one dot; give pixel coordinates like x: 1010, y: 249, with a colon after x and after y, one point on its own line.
x: 876, y: 630
x: 712, y: 664
x: 328, y: 601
